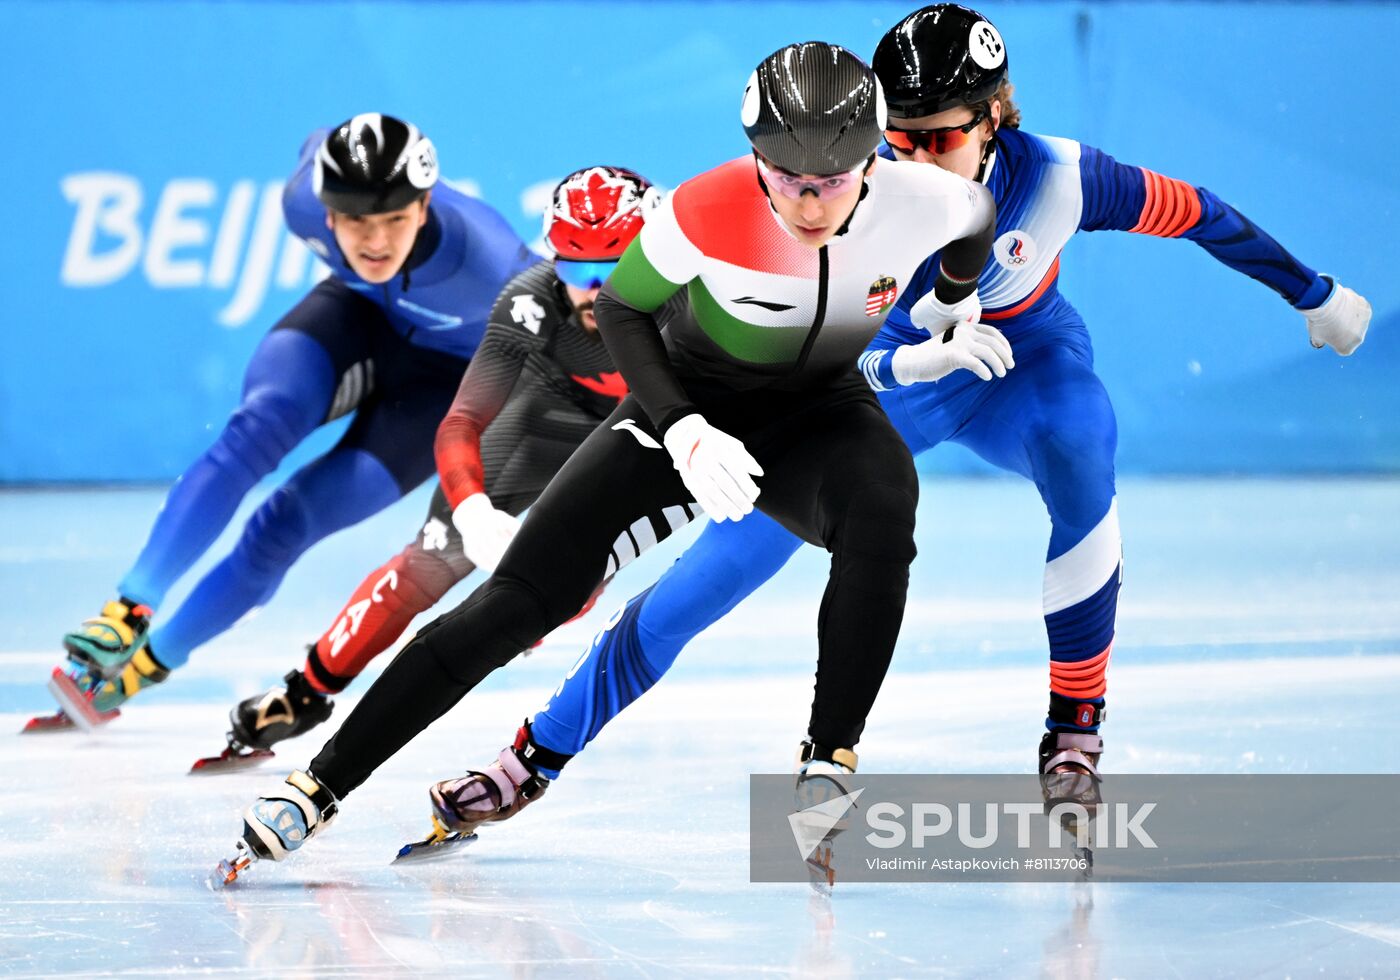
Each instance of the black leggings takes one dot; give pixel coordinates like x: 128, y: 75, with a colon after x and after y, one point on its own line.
x: 836, y: 473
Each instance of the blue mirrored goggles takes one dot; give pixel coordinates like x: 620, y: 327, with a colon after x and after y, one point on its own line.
x: 584, y: 275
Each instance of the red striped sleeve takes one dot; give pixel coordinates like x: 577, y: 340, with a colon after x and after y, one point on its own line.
x: 1170, y: 209
x: 1081, y: 679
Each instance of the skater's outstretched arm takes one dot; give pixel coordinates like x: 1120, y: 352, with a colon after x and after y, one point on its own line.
x: 1127, y: 198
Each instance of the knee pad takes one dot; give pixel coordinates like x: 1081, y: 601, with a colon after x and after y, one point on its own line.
x: 277, y: 533
x: 259, y: 433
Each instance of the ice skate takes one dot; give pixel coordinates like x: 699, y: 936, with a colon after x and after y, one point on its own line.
x: 74, y: 690
x: 1069, y: 773
x: 111, y: 663
x: 260, y: 722
x: 278, y: 824
x: 58, y: 721
x: 234, y: 758
x: 106, y: 642
x: 821, y: 778
x: 88, y: 702
x: 140, y: 672
x: 440, y: 843
x: 1068, y: 765
x: 498, y: 793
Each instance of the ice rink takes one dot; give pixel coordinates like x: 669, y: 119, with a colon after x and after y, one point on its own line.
x: 1259, y: 632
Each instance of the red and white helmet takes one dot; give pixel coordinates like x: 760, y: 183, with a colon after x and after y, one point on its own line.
x: 596, y: 212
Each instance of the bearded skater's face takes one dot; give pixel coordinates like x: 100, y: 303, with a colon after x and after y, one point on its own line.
x: 377, y: 245
x: 821, y: 205
x: 582, y: 300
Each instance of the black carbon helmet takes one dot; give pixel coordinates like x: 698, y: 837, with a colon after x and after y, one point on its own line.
x: 373, y: 163
x: 813, y: 108
x: 938, y: 58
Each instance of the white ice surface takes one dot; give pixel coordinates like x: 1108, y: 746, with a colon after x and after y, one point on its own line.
x: 1260, y: 632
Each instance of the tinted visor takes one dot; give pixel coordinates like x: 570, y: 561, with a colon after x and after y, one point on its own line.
x: 935, y: 141
x: 795, y: 185
x: 584, y: 275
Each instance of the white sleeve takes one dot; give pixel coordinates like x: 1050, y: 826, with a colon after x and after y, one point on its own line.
x: 982, y: 209
x: 666, y: 247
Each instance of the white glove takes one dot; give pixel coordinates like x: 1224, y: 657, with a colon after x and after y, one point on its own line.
x: 715, y: 467
x: 1341, y: 321
x: 932, y: 314
x: 486, y: 532
x: 978, y: 347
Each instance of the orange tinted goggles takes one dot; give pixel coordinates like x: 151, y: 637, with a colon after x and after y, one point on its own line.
x: 936, y: 141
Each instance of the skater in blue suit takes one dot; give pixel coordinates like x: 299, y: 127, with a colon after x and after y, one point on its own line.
x: 415, y: 269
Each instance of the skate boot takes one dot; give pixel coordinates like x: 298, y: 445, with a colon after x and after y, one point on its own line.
x: 1068, y: 760
x: 820, y: 773
x: 497, y: 793
x: 1068, y: 763
x: 88, y: 700
x: 278, y: 824
x: 140, y: 672
x: 1069, y: 773
x: 1069, y: 768
x: 820, y: 782
x: 105, y: 644
x: 263, y: 720
x: 260, y: 722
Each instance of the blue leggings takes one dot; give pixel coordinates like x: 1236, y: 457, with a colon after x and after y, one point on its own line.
x: 1049, y: 420
x: 332, y: 354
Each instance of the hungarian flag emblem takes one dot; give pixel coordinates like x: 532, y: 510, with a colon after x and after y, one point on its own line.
x: 881, y: 296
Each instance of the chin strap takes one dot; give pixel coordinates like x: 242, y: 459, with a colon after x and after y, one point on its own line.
x: 989, y: 159
x: 864, y: 191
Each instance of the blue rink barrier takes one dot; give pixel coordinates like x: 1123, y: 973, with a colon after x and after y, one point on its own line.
x: 148, y: 255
